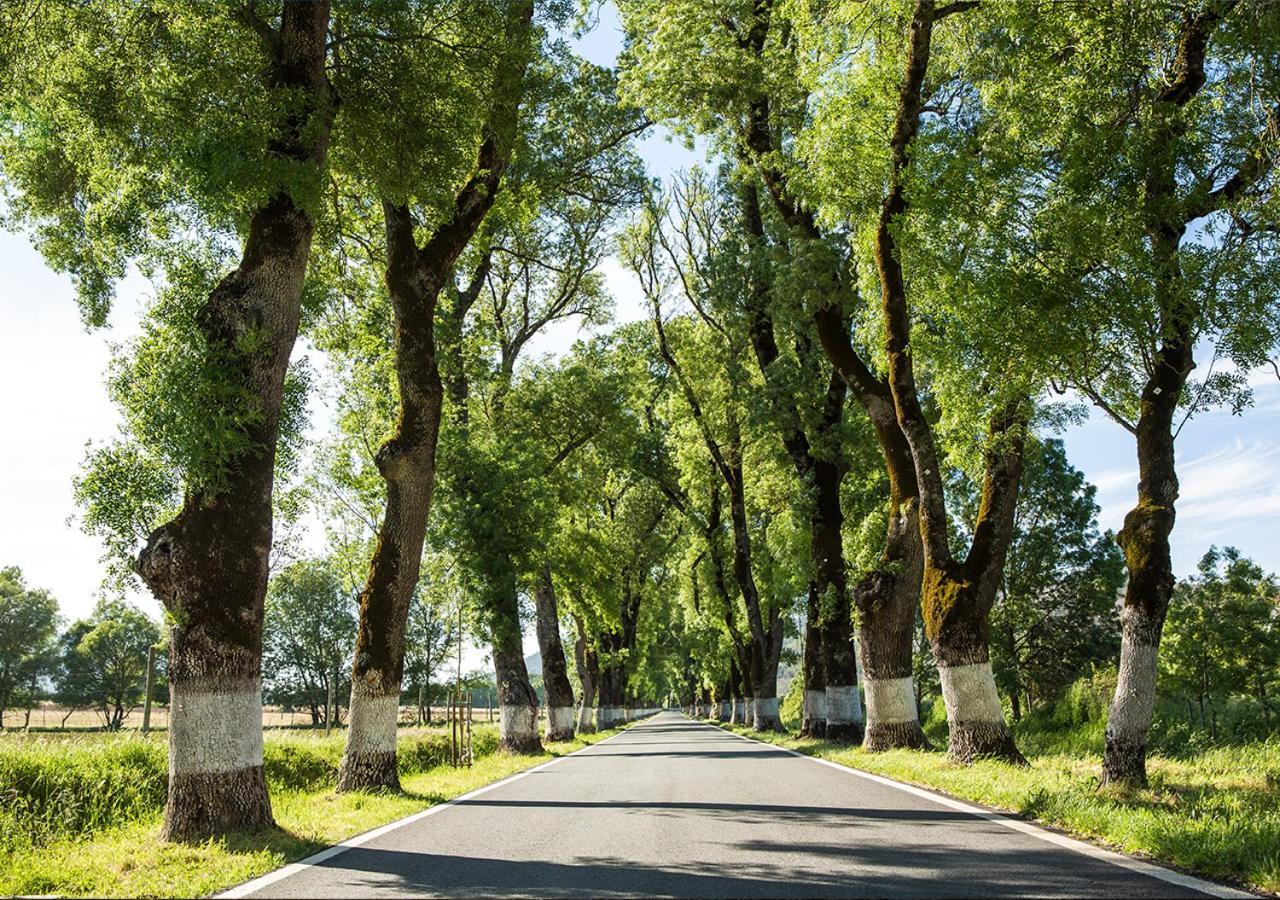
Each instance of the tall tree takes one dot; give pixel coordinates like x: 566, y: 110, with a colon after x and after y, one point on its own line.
x: 210, y: 398
x: 1155, y: 249
x: 415, y: 276
x: 555, y: 671
x: 672, y: 250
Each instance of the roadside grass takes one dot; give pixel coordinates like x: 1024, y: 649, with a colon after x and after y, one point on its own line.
x: 1214, y: 812
x: 113, y: 852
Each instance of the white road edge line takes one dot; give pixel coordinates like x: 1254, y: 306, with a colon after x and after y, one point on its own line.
x: 257, y: 884
x: 1141, y: 866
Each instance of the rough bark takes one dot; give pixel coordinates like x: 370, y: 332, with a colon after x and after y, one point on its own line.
x: 887, y: 599
x: 517, y: 702
x: 555, y: 672
x: 813, y: 719
x: 208, y: 566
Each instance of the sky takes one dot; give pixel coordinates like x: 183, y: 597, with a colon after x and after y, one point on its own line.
x: 53, y: 402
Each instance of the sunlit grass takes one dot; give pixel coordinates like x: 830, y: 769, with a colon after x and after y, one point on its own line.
x: 1215, y: 812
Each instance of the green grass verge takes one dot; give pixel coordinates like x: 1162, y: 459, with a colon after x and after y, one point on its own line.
x: 1215, y: 812
x: 112, y: 851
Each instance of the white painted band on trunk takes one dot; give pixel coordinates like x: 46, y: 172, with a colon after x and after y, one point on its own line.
x: 970, y: 694
x: 844, y: 704
x: 372, y: 723
x: 584, y: 717
x: 212, y: 730
x: 1133, y: 706
x: 724, y: 710
x: 517, y: 722
x: 891, y: 700
x: 559, y: 718
x: 749, y: 709
x: 766, y: 709
x: 815, y: 705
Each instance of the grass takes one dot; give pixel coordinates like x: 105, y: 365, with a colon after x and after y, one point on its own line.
x: 1214, y: 812
x: 106, y: 845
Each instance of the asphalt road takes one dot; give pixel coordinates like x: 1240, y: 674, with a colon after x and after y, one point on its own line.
x: 676, y: 808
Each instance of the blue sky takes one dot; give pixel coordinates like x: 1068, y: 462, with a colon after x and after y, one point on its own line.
x: 53, y: 402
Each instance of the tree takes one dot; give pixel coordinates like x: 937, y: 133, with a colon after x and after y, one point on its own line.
x: 309, y: 632
x: 1222, y: 638
x: 1155, y: 248
x: 114, y: 96
x: 30, y: 617
x: 673, y: 250
x: 415, y: 276
x: 1055, y: 608
x: 431, y: 633
x: 104, y: 663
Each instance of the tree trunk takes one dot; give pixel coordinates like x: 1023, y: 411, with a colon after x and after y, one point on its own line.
x: 517, y: 702
x: 813, y: 720
x: 765, y: 715
x: 887, y: 600
x: 589, y: 674
x: 1145, y: 541
x: 840, y: 663
x: 555, y: 672
x: 208, y: 566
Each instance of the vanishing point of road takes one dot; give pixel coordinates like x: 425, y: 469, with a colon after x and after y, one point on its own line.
x: 675, y: 808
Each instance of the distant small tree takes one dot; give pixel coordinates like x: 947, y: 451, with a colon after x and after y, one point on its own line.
x: 1222, y: 636
x: 430, y: 636
x: 308, y: 636
x: 103, y: 660
x: 28, y: 626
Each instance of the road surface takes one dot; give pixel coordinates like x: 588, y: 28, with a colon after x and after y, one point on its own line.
x: 675, y: 808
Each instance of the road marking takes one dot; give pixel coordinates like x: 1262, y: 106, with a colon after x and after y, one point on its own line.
x: 257, y: 884
x: 1169, y: 876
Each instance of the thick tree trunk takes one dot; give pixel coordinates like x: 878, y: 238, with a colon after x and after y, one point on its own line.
x: 813, y: 719
x: 956, y: 597
x: 208, y: 566
x: 1145, y: 541
x: 840, y: 663
x: 887, y: 600
x: 555, y: 671
x: 765, y: 715
x: 517, y: 702
x: 407, y: 464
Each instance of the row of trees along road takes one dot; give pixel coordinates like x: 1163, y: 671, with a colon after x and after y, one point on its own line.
x: 932, y: 232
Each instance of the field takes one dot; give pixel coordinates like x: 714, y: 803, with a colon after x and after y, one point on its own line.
x: 47, y: 717
x: 79, y: 813
x: 1215, y: 812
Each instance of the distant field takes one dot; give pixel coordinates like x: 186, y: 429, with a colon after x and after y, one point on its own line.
x: 49, y: 716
